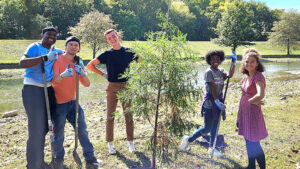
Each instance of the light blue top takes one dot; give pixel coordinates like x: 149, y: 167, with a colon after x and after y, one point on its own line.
x: 35, y: 72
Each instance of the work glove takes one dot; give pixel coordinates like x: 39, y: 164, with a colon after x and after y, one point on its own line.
x: 104, y: 75
x: 67, y: 73
x: 79, y: 70
x: 52, y: 55
x: 233, y: 58
x: 221, y: 106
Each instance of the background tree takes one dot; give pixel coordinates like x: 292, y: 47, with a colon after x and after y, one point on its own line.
x: 263, y: 19
x: 90, y: 29
x: 146, y: 10
x: 201, y: 25
x: 236, y: 26
x: 286, y: 32
x: 198, y: 18
x: 64, y: 14
x: 20, y: 19
x: 130, y: 24
x: 181, y: 16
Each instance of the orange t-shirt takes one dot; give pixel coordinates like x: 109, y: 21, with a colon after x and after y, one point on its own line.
x: 65, y: 91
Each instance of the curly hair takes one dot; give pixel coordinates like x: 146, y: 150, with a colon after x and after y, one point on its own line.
x: 211, y: 53
x: 254, y: 53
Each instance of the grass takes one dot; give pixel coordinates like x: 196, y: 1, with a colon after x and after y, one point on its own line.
x: 12, y: 50
x: 281, y: 147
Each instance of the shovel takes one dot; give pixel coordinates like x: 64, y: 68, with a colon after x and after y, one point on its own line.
x: 50, y: 125
x: 219, y: 119
x: 75, y: 154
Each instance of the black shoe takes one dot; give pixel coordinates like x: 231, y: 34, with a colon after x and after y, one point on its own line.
x: 93, y: 162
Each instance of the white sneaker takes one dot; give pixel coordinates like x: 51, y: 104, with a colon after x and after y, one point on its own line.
x: 131, y: 146
x: 185, y: 143
x: 216, y: 152
x: 201, y: 139
x: 111, y: 149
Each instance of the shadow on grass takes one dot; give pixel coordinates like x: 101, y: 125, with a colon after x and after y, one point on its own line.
x: 220, y: 145
x: 235, y: 164
x: 143, y: 163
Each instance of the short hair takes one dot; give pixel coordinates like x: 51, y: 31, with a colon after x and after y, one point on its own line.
x: 72, y: 38
x: 50, y: 28
x: 211, y: 53
x: 254, y: 53
x: 109, y: 30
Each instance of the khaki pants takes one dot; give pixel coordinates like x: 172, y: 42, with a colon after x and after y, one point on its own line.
x: 112, y: 100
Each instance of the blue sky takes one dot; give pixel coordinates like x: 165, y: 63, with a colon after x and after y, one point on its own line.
x: 282, y: 4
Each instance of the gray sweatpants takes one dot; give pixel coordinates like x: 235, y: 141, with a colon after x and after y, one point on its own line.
x: 35, y: 107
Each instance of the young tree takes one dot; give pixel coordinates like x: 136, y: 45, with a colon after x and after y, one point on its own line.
x: 286, y: 32
x: 90, y: 29
x: 163, y: 88
x: 236, y: 26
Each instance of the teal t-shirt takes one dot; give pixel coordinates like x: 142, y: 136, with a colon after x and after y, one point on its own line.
x: 34, y: 50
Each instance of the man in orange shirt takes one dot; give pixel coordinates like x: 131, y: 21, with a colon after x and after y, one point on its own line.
x: 64, y: 84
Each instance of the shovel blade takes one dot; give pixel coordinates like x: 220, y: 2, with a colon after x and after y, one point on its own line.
x: 77, y: 159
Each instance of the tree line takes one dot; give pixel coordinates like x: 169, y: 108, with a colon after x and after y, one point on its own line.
x: 198, y: 19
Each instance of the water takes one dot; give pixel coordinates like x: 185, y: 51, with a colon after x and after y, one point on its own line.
x: 11, y: 86
x: 273, y: 70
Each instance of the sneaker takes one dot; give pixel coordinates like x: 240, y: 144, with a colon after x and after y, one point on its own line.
x: 185, y: 143
x: 93, y: 162
x: 201, y: 139
x: 216, y: 152
x: 111, y: 149
x: 131, y: 146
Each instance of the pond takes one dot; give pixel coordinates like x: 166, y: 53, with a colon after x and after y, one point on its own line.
x: 11, y: 83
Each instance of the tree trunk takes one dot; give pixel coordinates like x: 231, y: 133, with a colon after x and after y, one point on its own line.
x: 233, y: 47
x: 156, y: 120
x: 288, y: 46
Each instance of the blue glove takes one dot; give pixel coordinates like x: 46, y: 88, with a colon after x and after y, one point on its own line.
x: 52, y: 55
x: 233, y: 58
x: 104, y: 75
x: 67, y: 73
x: 221, y: 106
x: 79, y: 70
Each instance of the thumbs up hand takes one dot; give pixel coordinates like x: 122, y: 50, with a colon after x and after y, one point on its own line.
x: 67, y: 73
x: 52, y: 55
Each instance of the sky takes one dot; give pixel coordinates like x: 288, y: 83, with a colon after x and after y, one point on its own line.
x: 282, y: 4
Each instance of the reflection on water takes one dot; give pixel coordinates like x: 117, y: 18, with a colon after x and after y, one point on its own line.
x: 10, y: 88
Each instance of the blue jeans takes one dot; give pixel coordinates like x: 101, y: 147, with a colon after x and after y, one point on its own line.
x: 67, y: 111
x: 210, y: 125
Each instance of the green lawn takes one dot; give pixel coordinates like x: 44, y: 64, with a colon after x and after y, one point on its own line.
x: 12, y: 50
